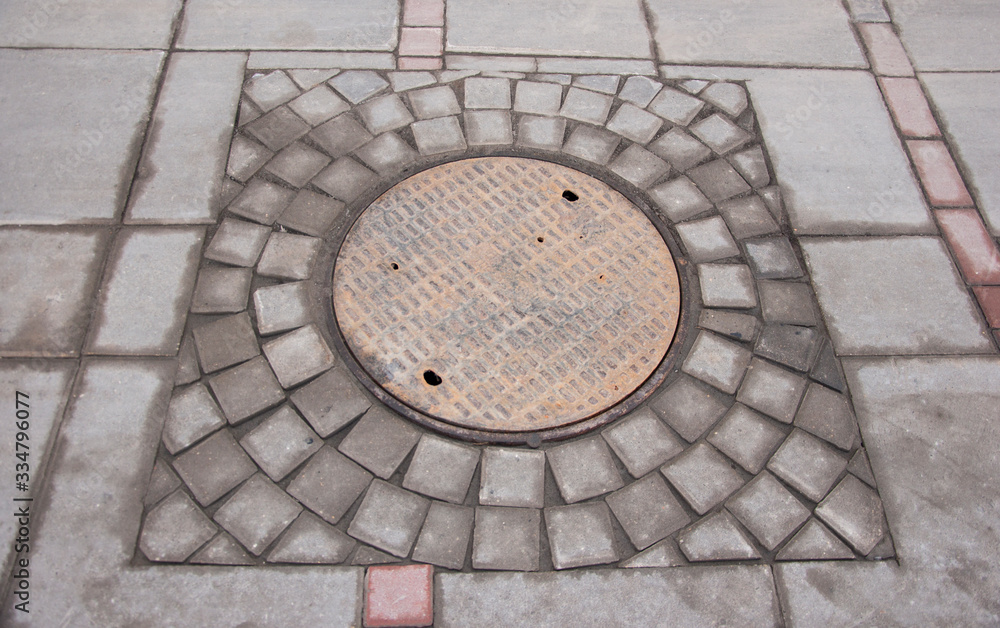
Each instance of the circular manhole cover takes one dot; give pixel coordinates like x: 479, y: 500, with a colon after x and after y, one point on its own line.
x: 506, y: 294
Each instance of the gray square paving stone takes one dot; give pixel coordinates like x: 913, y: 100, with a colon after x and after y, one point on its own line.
x: 389, y: 518
x: 584, y: 469
x: 487, y: 93
x: 441, y: 468
x: 311, y: 213
x: 717, y: 537
x: 445, y: 535
x: 703, y: 477
x: 719, y: 134
x: 639, y: 167
x: 281, y: 307
x: 225, y: 342
x: 791, y: 345
x: 729, y: 97
x: 385, y: 113
x: 191, y: 415
x: 488, y: 127
x: 718, y: 362
x: 318, y: 105
x: 768, y: 510
x: 311, y: 541
x: 270, y: 90
x: 586, y: 106
x: 288, y: 256
x: 214, y: 467
x: 707, y: 240
x: 357, y: 85
x: 750, y: 163
x: 604, y: 83
x: 855, y: 512
x: 642, y: 442
x: 773, y: 258
x: 221, y: 290
x: 718, y: 180
x: 441, y: 135
x: 340, y: 135
x: 748, y: 217
x: 689, y: 408
x: 543, y: 99
x: 237, y: 242
x: 747, y: 438
x: 297, y: 164
x: 592, y: 144
x: 174, y: 530
x: 247, y: 389
x: 827, y: 414
x: 277, y: 129
x: 786, y: 302
x: 331, y: 401
x: 648, y: 511
x: 544, y: 133
x: 772, y: 390
x: 298, y: 355
x: 808, y: 464
x: 738, y: 326
x: 680, y: 149
x: 380, y: 441
x: 434, y: 102
x: 726, y: 285
x: 345, y: 179
x: 679, y: 199
x: 262, y: 201
x: 329, y: 484
x: 635, y: 124
x: 257, y: 513
x: 281, y: 442
x: 506, y: 539
x: 512, y: 477
x: 387, y: 154
x: 580, y: 535
x: 675, y: 106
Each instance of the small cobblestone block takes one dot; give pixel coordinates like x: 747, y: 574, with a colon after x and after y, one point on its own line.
x: 791, y: 345
x: 726, y: 285
x: 357, y: 85
x: 191, y: 415
x: 380, y: 441
x: 747, y: 438
x: 648, y: 511
x: 318, y: 105
x: 214, y: 467
x: 222, y: 550
x: 742, y: 327
x: 584, y: 469
x: 442, y: 469
x: 434, y: 102
x: 246, y: 157
x: 596, y: 145
x: 329, y: 484
x: 441, y: 135
x: 288, y: 256
x: 387, y: 154
x: 444, y: 538
x: 311, y: 541
x: 281, y: 307
x: 340, y: 136
x: 298, y: 355
x: 371, y: 556
x: 748, y: 217
x: 487, y: 93
x: 257, y: 513
x: 586, y: 106
x: 854, y: 511
x: 707, y: 240
x: 541, y: 132
x: 718, y: 537
x: 719, y: 134
x: 679, y: 199
x: 345, y: 179
x: 885, y: 50
x: 162, y: 482
x: 512, y: 477
x: 389, y: 518
x: 773, y: 258
x: 225, y: 342
x: 580, y: 535
x: 281, y: 443
x: 938, y: 174
x: 639, y: 167
x: 975, y: 251
x: 642, y: 442
x: 399, y: 596
x: 635, y: 124
x: 485, y: 128
x: 404, y: 81
x: 385, y: 113
x: 174, y: 530
x: 247, y: 389
x: 689, y: 408
x: 296, y: 164
x: 237, y: 242
x: 814, y: 542
x: 278, y: 128
x: 311, y: 213
x: 772, y: 390
x: 270, y: 90
x: 703, y: 477
x: 543, y: 99
x: 640, y: 90
x: 909, y: 106
x: 785, y: 302
x: 751, y: 165
x: 808, y: 464
x: 718, y: 180
x: 768, y: 510
x: 261, y: 201
x: 604, y: 83
x: 729, y: 97
x: 221, y: 290
x: 506, y: 539
x: 717, y: 362
x: 827, y: 414
x: 675, y: 106
x: 331, y: 401
x: 662, y: 554
x: 681, y: 151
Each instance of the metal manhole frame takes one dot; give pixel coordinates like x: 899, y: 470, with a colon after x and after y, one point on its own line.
x: 322, y: 281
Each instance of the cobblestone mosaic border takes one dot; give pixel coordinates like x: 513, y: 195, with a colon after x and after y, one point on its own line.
x: 272, y: 452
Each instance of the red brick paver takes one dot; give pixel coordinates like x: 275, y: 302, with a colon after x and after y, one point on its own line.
x: 423, y: 13
x: 420, y: 42
x: 420, y: 63
x: 885, y: 50
x: 909, y: 107
x: 989, y: 300
x: 975, y: 251
x: 399, y: 596
x: 938, y: 174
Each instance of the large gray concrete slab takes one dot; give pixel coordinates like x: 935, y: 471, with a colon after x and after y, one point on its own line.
x: 146, y: 292
x: 88, y: 23
x: 180, y: 175
x: 836, y: 154
x: 930, y: 428
x: 801, y: 33
x: 953, y: 35
x: 48, y: 279
x: 587, y: 28
x: 893, y: 296
x: 693, y: 596
x: 969, y: 107
x: 296, y: 25
x: 46, y: 386
x: 80, y: 574
x: 70, y: 125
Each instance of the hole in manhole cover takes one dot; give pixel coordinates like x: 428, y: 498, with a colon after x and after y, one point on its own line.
x: 506, y: 295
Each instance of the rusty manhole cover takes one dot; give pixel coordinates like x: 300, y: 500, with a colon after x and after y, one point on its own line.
x: 506, y: 294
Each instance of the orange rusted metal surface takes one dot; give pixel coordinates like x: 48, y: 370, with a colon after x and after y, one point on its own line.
x: 506, y: 294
